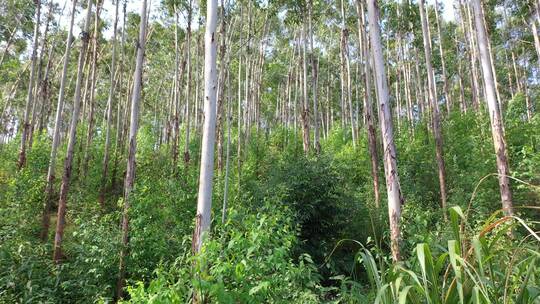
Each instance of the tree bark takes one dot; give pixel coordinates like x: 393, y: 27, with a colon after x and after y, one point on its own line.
x: 447, y: 99
x: 64, y: 188
x: 387, y: 133
x: 106, y: 156
x: 204, y: 200
x: 93, y: 79
x: 188, y: 84
x: 132, y: 150
x: 497, y: 130
x: 45, y: 219
x: 471, y: 57
x: 30, y: 96
x: 368, y: 103
x: 305, y: 105
x: 436, y: 123
x: 227, y: 153
x: 314, y: 84
x: 534, y: 29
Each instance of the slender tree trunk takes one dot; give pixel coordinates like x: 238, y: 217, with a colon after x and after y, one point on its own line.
x: 90, y: 131
x: 64, y: 188
x: 447, y: 99
x: 45, y: 83
x: 175, y: 107
x: 204, y: 200
x: 9, y: 42
x: 435, y: 108
x: 227, y: 153
x: 390, y: 162
x: 30, y: 96
x: 188, y: 85
x: 239, y: 114
x: 45, y: 219
x: 342, y: 66
x: 497, y: 130
x: 305, y: 104
x: 221, y: 86
x: 38, y: 101
x: 534, y: 29
x: 132, y: 150
x: 368, y: 103
x: 314, y: 84
x: 471, y: 57
x: 106, y: 156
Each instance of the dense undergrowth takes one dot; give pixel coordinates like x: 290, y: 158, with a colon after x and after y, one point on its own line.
x: 298, y: 230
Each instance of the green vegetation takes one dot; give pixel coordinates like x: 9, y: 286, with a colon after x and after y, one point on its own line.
x: 338, y: 152
x: 301, y: 229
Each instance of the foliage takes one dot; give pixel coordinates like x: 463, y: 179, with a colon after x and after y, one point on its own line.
x: 249, y: 261
x: 484, y: 267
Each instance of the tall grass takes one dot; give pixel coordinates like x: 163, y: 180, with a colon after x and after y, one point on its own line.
x: 498, y: 262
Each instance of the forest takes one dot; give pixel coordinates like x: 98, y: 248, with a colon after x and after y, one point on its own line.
x: 270, y: 151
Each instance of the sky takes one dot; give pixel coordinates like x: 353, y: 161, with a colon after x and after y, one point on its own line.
x: 134, y: 6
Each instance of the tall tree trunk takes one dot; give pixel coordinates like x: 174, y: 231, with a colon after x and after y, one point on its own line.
x: 45, y: 219
x: 534, y: 29
x: 228, y: 149
x: 497, y: 130
x: 387, y: 133
x: 64, y: 188
x: 470, y: 55
x: 93, y: 79
x: 239, y: 114
x: 305, y: 103
x: 447, y: 99
x: 38, y: 91
x: 434, y: 107
x: 106, y: 156
x: 30, y: 96
x: 132, y: 150
x: 368, y: 103
x: 204, y: 199
x: 314, y: 84
x: 221, y: 86
x: 187, y: 121
x: 175, y: 107
x: 9, y: 42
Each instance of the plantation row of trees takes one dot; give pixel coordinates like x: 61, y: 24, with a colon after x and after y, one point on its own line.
x: 237, y: 81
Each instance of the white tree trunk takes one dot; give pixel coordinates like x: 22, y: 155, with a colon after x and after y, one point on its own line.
x: 204, y: 200
x: 64, y: 188
x: 30, y: 95
x: 434, y: 107
x: 105, y: 166
x: 494, y: 111
x: 56, y: 131
x: 132, y: 149
x: 390, y: 163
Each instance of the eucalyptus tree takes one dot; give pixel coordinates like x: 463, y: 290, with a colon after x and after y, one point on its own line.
x: 64, y: 188
x: 436, y: 122
x: 497, y: 129
x: 109, y: 109
x: 187, y: 121
x: 447, y: 97
x: 30, y: 96
x: 132, y: 148
x: 92, y: 94
x: 314, y: 82
x: 38, y: 91
x: 305, y: 105
x: 45, y: 219
x: 204, y: 199
x: 387, y: 133
x: 368, y: 103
